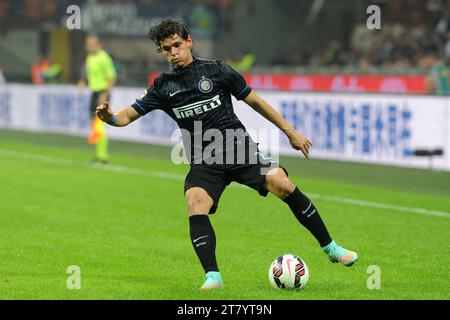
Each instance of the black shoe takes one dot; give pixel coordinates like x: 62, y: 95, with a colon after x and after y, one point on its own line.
x: 99, y: 161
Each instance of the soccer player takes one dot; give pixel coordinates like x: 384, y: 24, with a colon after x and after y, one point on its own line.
x: 437, y: 80
x: 101, y: 76
x: 196, y: 93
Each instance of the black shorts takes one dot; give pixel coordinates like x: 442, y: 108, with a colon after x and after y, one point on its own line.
x: 95, y: 103
x: 214, y: 178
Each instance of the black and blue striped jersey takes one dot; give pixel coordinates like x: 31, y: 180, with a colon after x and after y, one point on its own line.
x: 197, y: 97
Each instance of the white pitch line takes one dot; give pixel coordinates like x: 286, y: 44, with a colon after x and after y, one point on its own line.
x: 378, y: 205
x: 179, y: 177
x: 109, y: 167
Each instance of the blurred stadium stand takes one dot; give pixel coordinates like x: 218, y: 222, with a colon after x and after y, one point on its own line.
x: 275, y: 36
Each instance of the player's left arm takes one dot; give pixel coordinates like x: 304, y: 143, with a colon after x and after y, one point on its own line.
x: 103, y: 97
x: 111, y: 75
x: 298, y: 141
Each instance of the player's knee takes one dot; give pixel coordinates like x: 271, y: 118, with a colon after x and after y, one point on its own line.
x: 198, y: 201
x: 278, y: 183
x: 283, y: 189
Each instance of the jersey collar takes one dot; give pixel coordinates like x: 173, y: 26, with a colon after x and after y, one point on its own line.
x: 190, y: 65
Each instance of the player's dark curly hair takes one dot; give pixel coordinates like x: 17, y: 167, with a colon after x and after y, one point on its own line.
x: 166, y: 28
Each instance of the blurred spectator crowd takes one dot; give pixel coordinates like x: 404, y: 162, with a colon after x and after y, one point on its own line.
x: 411, y: 32
x: 29, y: 12
x: 414, y: 36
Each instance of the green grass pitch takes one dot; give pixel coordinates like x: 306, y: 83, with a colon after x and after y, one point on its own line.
x: 125, y: 225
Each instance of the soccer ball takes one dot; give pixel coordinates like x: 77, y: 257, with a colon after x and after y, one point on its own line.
x: 288, y: 272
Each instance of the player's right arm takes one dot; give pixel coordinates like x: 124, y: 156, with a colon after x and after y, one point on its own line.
x: 147, y: 102
x: 121, y: 118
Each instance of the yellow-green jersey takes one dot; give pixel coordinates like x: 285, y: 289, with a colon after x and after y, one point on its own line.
x: 99, y: 70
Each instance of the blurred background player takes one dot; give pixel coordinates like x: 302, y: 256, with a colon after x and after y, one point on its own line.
x: 45, y: 71
x: 437, y: 80
x: 101, y: 75
x: 2, y: 76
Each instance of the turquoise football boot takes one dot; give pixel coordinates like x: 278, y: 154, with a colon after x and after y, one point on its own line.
x: 213, y: 281
x: 338, y: 254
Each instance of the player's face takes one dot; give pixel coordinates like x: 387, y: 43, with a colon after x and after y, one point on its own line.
x: 176, y: 50
x: 92, y: 44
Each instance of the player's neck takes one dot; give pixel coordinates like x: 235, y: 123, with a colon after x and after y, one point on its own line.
x: 188, y: 62
x: 95, y: 52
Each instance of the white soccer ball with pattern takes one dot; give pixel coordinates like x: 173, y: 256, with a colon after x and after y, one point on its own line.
x: 288, y: 272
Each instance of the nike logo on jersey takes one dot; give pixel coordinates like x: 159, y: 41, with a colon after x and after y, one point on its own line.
x: 171, y: 94
x: 197, y: 108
